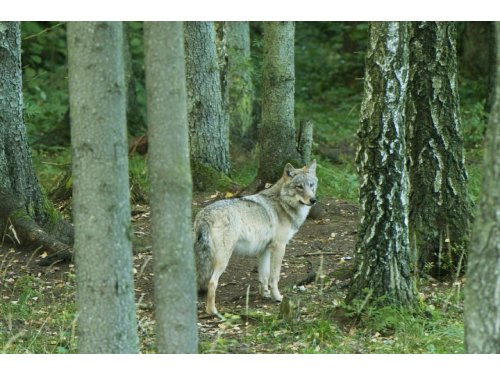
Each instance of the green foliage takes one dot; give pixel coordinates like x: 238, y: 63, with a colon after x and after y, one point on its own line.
x: 45, y: 76
x: 339, y: 181
x: 49, y: 163
x: 138, y: 168
x: 474, y: 122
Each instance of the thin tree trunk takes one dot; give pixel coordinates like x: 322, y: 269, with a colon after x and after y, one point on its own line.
x: 223, y: 61
x: 240, y: 84
x: 103, y: 239
x: 170, y: 189
x: 482, y: 290
x: 383, y: 258
x: 135, y: 120
x: 492, y: 67
x: 208, y: 132
x: 440, y: 205
x: 277, y: 137
x: 475, y: 51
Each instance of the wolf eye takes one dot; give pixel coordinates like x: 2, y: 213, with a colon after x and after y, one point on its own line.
x: 300, y: 187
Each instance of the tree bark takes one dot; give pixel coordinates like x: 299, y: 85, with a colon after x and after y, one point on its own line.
x: 223, y: 61
x: 382, y: 257
x: 135, y: 121
x: 103, y: 247
x: 208, y: 132
x: 492, y: 67
x: 440, y: 205
x: 277, y: 137
x: 482, y: 289
x: 475, y: 51
x: 170, y: 189
x: 22, y: 205
x: 241, y: 93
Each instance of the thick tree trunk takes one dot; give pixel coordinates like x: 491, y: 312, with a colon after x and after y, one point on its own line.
x: 22, y: 202
x: 482, y: 290
x: 440, y: 205
x: 383, y: 258
x: 240, y: 84
x: 103, y: 232
x: 208, y: 132
x: 170, y: 189
x: 16, y: 168
x: 277, y: 136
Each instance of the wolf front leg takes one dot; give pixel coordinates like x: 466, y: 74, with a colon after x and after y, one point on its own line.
x: 264, y: 270
x: 277, y: 254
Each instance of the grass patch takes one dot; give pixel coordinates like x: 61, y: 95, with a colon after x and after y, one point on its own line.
x: 37, y: 316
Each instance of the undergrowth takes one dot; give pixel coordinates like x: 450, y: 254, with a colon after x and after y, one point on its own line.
x: 330, y: 326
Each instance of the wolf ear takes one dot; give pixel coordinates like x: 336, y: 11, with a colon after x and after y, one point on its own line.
x: 289, y: 170
x: 311, y: 168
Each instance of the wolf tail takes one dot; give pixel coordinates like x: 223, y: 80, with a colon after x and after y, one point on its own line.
x: 203, y: 255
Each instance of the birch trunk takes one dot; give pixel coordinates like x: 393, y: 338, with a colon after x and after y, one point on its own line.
x: 440, y: 205
x: 383, y: 258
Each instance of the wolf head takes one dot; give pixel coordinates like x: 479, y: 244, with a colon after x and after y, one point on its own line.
x: 299, y: 185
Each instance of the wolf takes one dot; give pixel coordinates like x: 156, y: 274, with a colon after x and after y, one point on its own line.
x: 257, y: 225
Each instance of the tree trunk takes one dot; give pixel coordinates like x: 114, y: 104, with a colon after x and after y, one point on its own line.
x: 208, y: 132
x: 103, y: 246
x: 135, y: 120
x: 383, y: 258
x: 492, y: 67
x: 440, y: 205
x: 277, y: 136
x: 240, y: 84
x: 223, y: 61
x: 482, y: 290
x: 475, y: 51
x: 22, y: 202
x: 170, y: 189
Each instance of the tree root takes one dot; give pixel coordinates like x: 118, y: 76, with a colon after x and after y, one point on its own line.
x: 25, y: 231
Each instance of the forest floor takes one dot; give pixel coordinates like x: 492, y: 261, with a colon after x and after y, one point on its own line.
x: 39, y: 301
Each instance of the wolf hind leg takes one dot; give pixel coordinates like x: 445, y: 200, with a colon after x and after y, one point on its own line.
x: 220, y: 267
x: 264, y: 271
x: 224, y: 244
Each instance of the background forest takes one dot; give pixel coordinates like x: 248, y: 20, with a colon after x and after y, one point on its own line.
x: 329, y: 63
x: 329, y: 88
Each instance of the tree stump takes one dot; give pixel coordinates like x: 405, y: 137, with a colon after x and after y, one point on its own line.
x: 290, y: 309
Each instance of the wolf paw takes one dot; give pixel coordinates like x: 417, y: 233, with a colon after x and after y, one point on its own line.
x: 277, y: 297
x: 264, y: 293
x: 211, y: 311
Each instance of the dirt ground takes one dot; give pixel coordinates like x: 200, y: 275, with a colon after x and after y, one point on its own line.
x: 323, y: 245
